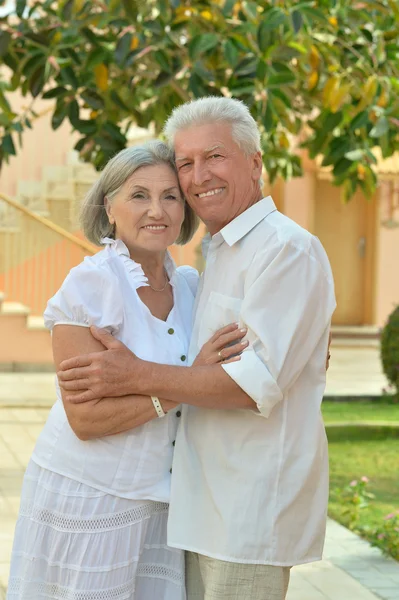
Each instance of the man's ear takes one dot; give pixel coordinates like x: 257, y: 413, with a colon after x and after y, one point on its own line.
x: 257, y: 166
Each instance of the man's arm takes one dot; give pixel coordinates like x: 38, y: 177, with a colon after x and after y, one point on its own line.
x: 287, y: 308
x: 100, y: 416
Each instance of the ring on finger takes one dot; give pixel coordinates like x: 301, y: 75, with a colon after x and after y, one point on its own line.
x: 220, y: 355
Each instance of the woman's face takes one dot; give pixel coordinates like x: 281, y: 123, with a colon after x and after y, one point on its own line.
x: 148, y: 210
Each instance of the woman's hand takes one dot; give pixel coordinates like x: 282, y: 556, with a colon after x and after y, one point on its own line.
x: 223, y: 346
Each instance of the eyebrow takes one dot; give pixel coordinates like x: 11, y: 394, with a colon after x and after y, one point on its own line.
x: 178, y: 158
x: 142, y: 187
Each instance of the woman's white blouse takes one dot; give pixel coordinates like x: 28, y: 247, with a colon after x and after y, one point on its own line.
x: 102, y: 291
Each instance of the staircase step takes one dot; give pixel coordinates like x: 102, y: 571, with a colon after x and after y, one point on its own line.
x: 14, y: 308
x: 35, y: 323
x: 359, y: 332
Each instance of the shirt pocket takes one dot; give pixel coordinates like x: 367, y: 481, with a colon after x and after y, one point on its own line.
x: 219, y: 311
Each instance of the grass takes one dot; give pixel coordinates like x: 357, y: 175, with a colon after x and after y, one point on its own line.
x: 359, y: 410
x: 371, y: 451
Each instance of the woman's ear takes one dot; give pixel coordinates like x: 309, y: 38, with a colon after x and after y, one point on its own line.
x: 108, y: 208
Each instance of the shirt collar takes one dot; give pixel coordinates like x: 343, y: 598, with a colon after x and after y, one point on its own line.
x: 241, y: 225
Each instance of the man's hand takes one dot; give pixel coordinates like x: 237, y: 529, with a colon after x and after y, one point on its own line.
x: 100, y: 374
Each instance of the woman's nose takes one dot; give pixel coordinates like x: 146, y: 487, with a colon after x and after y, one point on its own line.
x: 155, y: 210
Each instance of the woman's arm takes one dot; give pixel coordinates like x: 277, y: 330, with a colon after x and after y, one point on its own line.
x: 101, y: 416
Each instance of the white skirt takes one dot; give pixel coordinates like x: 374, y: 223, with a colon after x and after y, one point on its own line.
x: 73, y: 542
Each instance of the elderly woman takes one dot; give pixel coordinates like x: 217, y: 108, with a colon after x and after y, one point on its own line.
x: 92, y: 522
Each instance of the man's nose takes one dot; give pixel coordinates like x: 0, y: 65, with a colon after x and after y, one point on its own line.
x: 200, y: 174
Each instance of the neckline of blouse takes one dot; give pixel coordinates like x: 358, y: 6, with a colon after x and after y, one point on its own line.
x: 134, y: 267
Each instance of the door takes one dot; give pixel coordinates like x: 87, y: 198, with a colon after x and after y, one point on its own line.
x: 347, y: 234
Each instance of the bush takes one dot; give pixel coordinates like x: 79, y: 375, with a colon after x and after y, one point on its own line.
x: 390, y: 350
x: 354, y: 499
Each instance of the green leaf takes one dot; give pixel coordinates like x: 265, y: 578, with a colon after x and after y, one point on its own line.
x: 5, y: 39
x: 4, y: 104
x: 355, y: 155
x: 68, y: 75
x: 262, y: 70
x: 331, y: 121
x: 231, y: 53
x: 37, y: 58
x: 131, y: 10
x: 281, y: 96
x: 268, y: 116
x: 73, y: 113
x: 66, y: 11
x: 247, y: 67
x: 202, y: 43
x: 8, y: 145
x: 360, y: 120
x: 163, y: 79
x: 336, y: 150
x: 97, y: 57
x: 380, y: 128
x: 115, y: 132
x: 281, y: 79
x: 250, y: 10
x: 297, y: 20
x: 36, y: 82
x: 54, y: 92
x: 341, y: 167
x: 315, y: 14
x: 197, y: 86
x: 91, y: 36
x: 59, y: 114
x: 162, y: 59
x: 118, y: 100
x: 273, y: 18
x: 88, y: 127
x: 20, y: 8
x: 93, y: 99
x: 123, y: 48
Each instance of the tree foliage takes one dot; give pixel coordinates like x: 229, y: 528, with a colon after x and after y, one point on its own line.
x: 324, y: 72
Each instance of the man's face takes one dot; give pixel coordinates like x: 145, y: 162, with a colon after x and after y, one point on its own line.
x: 218, y: 180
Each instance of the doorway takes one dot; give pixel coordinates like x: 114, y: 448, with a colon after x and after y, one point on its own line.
x: 347, y: 232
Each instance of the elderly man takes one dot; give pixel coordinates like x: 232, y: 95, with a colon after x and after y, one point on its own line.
x: 250, y: 473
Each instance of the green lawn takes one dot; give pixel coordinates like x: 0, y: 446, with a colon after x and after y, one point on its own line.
x: 359, y: 410
x: 373, y: 452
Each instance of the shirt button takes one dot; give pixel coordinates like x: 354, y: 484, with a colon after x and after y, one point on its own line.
x: 178, y: 414
x: 183, y: 357
x: 170, y: 470
x: 173, y: 443
x: 171, y: 331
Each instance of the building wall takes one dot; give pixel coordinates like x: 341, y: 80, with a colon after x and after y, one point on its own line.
x: 41, y: 147
x: 44, y: 147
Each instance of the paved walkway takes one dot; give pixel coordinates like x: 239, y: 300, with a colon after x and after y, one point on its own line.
x: 351, y: 569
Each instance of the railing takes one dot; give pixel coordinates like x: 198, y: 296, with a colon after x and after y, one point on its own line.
x: 35, y: 255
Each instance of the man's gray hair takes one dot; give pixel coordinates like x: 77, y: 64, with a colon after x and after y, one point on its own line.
x: 214, y: 109
x: 93, y: 215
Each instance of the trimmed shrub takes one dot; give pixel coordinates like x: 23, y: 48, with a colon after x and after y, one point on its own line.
x: 390, y: 350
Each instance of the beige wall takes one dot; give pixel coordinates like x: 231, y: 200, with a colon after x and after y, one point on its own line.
x: 299, y: 204
x: 41, y: 147
x: 299, y: 200
x: 387, y: 264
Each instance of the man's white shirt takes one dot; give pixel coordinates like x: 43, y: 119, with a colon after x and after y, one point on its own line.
x: 251, y: 486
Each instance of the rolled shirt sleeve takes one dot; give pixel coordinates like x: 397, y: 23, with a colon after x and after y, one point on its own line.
x: 287, y: 308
